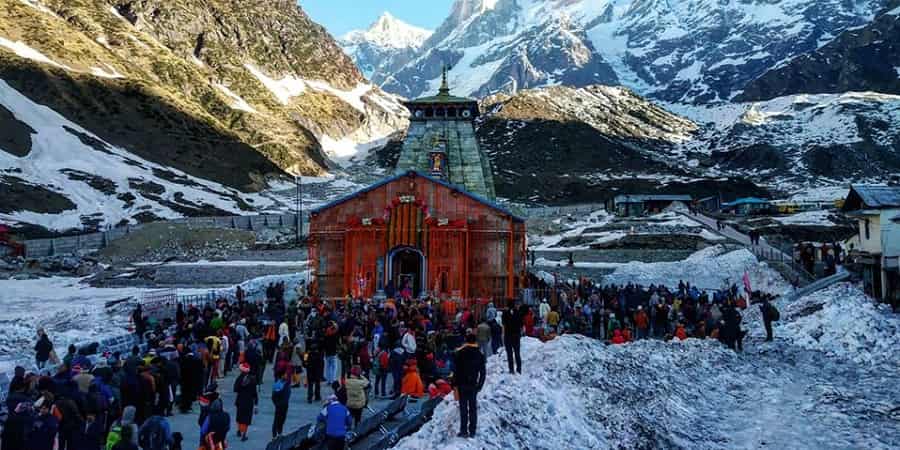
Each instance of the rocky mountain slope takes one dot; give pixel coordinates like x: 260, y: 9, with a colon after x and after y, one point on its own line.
x: 859, y: 59
x: 800, y: 140
x: 223, y: 93
x: 688, y: 51
x: 385, y: 46
x: 567, y: 145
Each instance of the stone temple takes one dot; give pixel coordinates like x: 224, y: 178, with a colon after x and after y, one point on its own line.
x: 441, y: 142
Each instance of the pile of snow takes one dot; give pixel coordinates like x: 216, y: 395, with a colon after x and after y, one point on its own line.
x: 673, y: 219
x: 812, y: 218
x: 575, y: 226
x: 710, y: 268
x: 577, y: 393
x: 67, y: 308
x: 842, y: 321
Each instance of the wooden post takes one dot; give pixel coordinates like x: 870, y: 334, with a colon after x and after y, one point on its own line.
x: 466, y: 265
x: 509, y: 261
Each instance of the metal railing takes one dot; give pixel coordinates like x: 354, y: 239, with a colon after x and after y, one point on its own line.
x: 784, y: 258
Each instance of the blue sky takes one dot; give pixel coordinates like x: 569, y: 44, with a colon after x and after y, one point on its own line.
x: 341, y: 16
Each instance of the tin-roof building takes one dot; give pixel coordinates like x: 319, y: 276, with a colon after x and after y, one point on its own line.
x: 876, y: 247
x: 641, y: 204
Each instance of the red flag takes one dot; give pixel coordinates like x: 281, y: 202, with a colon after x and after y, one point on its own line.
x: 747, y: 283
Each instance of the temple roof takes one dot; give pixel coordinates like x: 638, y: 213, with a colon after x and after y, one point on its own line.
x: 443, y: 95
x: 406, y: 173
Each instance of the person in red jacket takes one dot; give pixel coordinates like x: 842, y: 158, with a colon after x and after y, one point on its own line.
x: 528, y: 322
x: 680, y: 333
x: 439, y: 388
x: 641, y: 322
x: 617, y: 337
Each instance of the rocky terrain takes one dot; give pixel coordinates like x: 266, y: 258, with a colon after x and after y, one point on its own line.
x: 190, y: 106
x: 865, y: 58
x: 698, y: 52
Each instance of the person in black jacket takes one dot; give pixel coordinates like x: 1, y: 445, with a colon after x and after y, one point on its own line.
x: 246, y: 400
x: 512, y: 335
x: 42, y: 349
x: 468, y: 378
x: 315, y: 368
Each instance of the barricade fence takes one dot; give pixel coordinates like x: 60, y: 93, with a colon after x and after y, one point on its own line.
x: 157, y: 304
x: 71, y: 245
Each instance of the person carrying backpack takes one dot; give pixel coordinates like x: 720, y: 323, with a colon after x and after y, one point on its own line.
x: 769, y: 314
x: 117, y: 433
x: 155, y: 434
x: 281, y: 397
x: 336, y: 418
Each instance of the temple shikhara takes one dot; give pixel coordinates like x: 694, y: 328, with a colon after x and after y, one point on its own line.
x: 430, y: 229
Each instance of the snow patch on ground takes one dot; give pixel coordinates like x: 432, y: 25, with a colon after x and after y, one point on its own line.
x: 711, y: 268
x: 843, y: 322
x: 544, y: 262
x: 282, y: 89
x: 108, y: 72
x: 235, y: 263
x: 23, y: 50
x: 815, y: 218
x: 577, y: 393
x: 236, y: 101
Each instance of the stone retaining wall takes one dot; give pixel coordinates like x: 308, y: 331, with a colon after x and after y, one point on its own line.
x: 218, y: 275
x: 38, y: 248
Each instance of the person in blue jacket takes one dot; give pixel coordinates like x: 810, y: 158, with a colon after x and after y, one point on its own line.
x: 337, y: 420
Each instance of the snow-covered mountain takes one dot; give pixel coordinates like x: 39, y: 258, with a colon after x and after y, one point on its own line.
x: 799, y: 140
x: 688, y: 51
x: 386, y: 45
x: 567, y: 145
x: 217, y: 96
x: 863, y: 58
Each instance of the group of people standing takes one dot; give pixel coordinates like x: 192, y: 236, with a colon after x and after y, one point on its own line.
x: 427, y: 348
x: 619, y: 314
x: 95, y: 401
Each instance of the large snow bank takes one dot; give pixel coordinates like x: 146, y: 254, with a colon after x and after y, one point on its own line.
x: 710, y: 268
x: 577, y: 393
x: 72, y: 311
x: 841, y: 321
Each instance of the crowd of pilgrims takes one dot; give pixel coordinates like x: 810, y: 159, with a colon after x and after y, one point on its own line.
x: 114, y: 401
